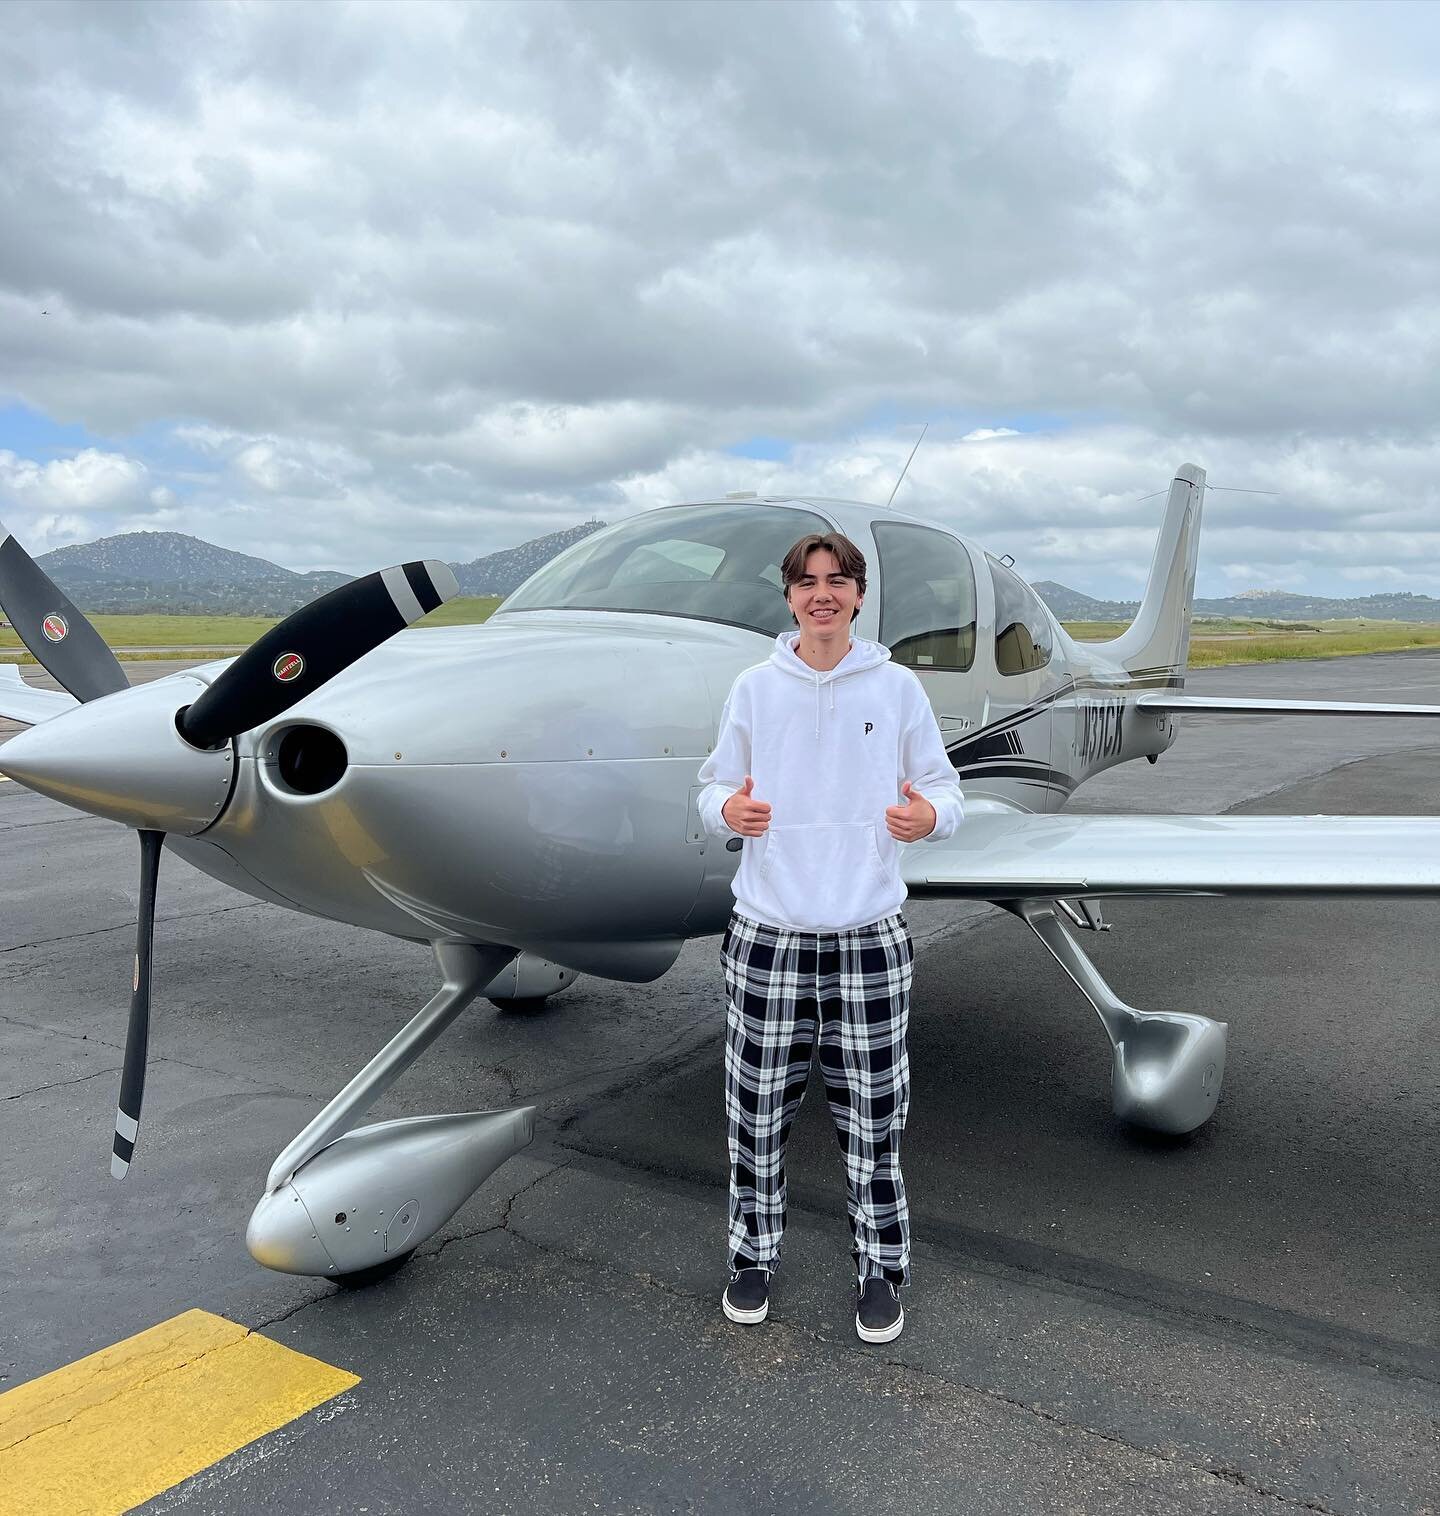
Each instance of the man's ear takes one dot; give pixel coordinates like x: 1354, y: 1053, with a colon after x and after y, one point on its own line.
x: 855, y: 614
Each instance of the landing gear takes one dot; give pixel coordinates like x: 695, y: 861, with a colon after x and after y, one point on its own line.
x: 1168, y: 1065
x: 525, y: 984
x: 353, y: 1203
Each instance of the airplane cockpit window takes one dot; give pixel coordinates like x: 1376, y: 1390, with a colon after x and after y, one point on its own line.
x: 1022, y: 627
x: 927, y: 597
x: 713, y: 562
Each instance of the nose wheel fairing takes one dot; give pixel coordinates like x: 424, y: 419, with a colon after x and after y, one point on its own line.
x: 1168, y: 1065
x: 341, y: 1200
x: 379, y: 1191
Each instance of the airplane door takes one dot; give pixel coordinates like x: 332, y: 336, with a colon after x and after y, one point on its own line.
x: 1011, y: 758
x: 927, y: 618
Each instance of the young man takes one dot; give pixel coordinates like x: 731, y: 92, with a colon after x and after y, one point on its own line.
x: 828, y: 759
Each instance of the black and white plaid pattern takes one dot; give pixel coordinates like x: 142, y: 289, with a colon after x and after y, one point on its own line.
x: 855, y: 986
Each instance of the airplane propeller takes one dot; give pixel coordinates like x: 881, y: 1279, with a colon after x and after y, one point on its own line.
x: 311, y: 646
x: 59, y: 636
x: 289, y: 662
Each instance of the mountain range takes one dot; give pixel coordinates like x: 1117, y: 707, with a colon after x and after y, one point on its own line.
x: 1254, y: 605
x: 170, y: 572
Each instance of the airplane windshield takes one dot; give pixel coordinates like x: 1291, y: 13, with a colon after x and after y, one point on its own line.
x: 712, y: 562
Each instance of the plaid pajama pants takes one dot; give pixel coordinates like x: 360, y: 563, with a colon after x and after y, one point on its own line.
x: 854, y: 987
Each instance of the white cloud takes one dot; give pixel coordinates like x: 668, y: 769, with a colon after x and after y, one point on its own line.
x: 89, y: 481
x: 46, y: 531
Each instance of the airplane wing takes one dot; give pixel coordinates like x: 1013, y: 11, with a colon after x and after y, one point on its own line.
x: 24, y: 703
x: 1232, y: 705
x: 994, y: 856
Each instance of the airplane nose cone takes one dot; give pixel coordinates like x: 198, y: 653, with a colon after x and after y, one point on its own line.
x: 121, y: 757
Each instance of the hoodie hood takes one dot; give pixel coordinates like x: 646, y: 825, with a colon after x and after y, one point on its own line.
x: 863, y: 655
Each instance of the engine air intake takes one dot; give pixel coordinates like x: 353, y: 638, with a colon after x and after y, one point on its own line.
x: 310, y: 760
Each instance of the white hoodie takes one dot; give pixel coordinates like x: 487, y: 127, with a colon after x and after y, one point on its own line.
x: 829, y: 766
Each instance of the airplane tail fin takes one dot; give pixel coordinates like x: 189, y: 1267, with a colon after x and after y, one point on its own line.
x: 1157, y: 642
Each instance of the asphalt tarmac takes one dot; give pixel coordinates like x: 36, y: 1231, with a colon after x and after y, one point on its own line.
x: 1244, y: 1321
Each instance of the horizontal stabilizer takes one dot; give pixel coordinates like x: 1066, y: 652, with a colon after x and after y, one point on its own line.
x: 1229, y: 705
x: 24, y: 703
x: 1020, y: 857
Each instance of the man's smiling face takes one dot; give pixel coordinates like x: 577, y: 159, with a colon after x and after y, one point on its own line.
x: 824, y: 599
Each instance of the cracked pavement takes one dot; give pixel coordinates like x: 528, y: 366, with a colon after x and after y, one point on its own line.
x: 1242, y: 1322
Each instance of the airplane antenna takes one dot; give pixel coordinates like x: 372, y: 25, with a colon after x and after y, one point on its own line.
x: 1229, y: 489
x: 908, y: 462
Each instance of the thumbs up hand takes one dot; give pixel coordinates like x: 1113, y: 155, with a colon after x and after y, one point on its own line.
x: 912, y: 820
x: 745, y: 814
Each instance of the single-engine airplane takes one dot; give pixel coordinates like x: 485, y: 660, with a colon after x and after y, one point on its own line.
x: 522, y: 796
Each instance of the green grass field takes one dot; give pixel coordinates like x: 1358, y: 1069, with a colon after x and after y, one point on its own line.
x: 1213, y: 640
x: 1329, y: 640
x: 171, y: 631
x: 164, y: 636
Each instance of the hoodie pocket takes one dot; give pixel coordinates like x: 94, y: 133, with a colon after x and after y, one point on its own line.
x: 822, y: 874
x: 885, y: 849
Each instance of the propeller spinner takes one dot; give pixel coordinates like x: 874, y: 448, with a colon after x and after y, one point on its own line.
x: 111, y: 760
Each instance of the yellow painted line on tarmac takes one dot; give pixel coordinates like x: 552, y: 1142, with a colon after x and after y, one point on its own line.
x: 111, y: 1431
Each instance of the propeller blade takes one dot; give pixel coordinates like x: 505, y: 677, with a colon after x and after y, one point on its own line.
x: 311, y: 646
x: 52, y: 628
x: 137, y: 1042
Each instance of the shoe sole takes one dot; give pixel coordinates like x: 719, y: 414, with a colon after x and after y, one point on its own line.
x: 880, y: 1334
x: 744, y: 1318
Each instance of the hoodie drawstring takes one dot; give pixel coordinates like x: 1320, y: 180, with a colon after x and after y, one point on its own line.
x: 817, y: 706
x: 829, y: 685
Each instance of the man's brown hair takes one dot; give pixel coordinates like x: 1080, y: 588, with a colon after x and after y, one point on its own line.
x: 849, y: 557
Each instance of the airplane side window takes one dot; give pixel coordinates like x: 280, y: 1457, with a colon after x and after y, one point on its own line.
x: 1022, y: 628
x: 927, y: 597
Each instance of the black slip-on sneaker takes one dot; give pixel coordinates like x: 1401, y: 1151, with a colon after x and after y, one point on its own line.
x: 747, y: 1297
x: 879, y: 1316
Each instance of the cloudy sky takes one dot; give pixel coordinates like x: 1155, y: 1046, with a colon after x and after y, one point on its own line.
x: 341, y: 284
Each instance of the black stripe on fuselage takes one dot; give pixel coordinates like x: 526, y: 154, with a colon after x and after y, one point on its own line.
x: 1033, y: 772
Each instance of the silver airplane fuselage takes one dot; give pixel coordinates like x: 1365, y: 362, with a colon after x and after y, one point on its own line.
x: 532, y: 781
